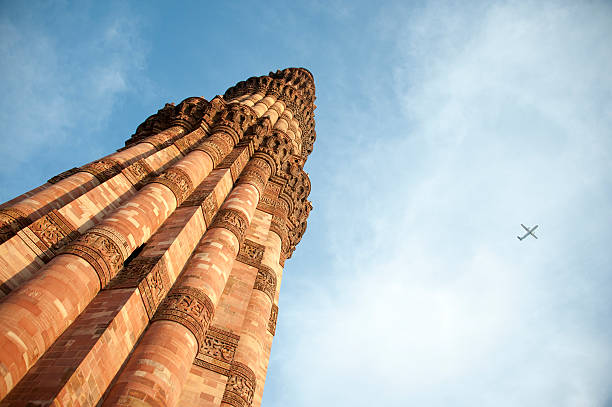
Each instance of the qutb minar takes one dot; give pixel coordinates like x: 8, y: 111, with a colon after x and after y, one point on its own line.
x: 151, y: 277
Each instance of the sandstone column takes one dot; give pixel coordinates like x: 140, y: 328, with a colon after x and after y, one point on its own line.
x: 186, y: 313
x: 69, y: 282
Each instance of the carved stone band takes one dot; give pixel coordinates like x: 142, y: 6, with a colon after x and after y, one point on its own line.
x: 53, y: 231
x: 240, y: 387
x: 219, y: 344
x: 233, y: 220
x: 11, y: 222
x: 251, y: 253
x: 178, y: 181
x: 150, y: 275
x: 272, y: 320
x: 103, y: 170
x: 216, y: 146
x: 266, y: 281
x: 104, y: 249
x: 138, y: 172
x: 186, y: 144
x: 190, y: 307
x: 257, y: 172
x: 217, y: 351
x: 279, y: 225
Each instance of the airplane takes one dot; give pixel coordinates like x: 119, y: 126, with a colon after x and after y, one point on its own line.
x: 529, y: 232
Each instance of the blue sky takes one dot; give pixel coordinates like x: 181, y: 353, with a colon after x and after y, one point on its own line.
x: 441, y: 127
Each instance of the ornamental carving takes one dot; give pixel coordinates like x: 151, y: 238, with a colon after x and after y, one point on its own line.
x: 204, y: 196
x: 295, y: 87
x: 259, y: 130
x: 266, y: 281
x: 240, y: 387
x: 209, y: 208
x: 279, y: 225
x: 272, y: 320
x: 103, y: 169
x: 251, y: 253
x: 275, y: 148
x: 138, y: 173
x: 102, y: 247
x: 234, y: 120
x: 245, y: 153
x: 186, y: 143
x: 190, y: 307
x: 153, y: 124
x: 150, y: 275
x: 298, y: 228
x: 211, y: 111
x: 233, y: 220
x: 219, y: 344
x: 256, y: 173
x: 198, y: 195
x: 217, y: 351
x: 267, y: 201
x: 11, y: 222
x: 63, y: 175
x: 178, y: 181
x: 217, y: 146
x: 189, y: 112
x: 53, y: 231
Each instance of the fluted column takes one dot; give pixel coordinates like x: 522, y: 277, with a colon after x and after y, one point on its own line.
x: 32, y: 317
x: 185, y: 314
x: 242, y: 383
x: 69, y: 185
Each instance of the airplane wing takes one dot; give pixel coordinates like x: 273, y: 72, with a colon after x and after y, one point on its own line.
x: 525, y: 227
x: 533, y: 235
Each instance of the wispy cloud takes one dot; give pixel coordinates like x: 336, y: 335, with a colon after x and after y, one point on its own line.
x: 59, y: 88
x: 429, y: 298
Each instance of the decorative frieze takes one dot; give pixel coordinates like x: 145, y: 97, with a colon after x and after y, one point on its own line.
x: 189, y: 307
x: 215, y: 150
x: 104, y: 249
x: 189, y: 112
x: 256, y: 173
x: 185, y: 144
x: 234, y: 120
x: 217, y: 351
x: 103, y: 169
x: 233, y: 220
x: 11, y: 222
x: 150, y: 275
x: 204, y: 197
x: 272, y: 320
x: 209, y: 208
x: 153, y: 124
x: 266, y: 281
x: 240, y: 387
x: 237, y: 159
x: 178, y: 181
x: 251, y: 253
x: 138, y: 173
x: 53, y: 232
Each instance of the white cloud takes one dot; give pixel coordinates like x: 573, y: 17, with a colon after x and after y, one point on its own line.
x: 57, y: 91
x: 430, y: 299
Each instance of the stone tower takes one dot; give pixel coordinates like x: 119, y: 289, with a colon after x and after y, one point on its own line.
x: 150, y: 277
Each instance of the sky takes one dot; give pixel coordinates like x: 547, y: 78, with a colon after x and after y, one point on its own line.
x: 441, y: 127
